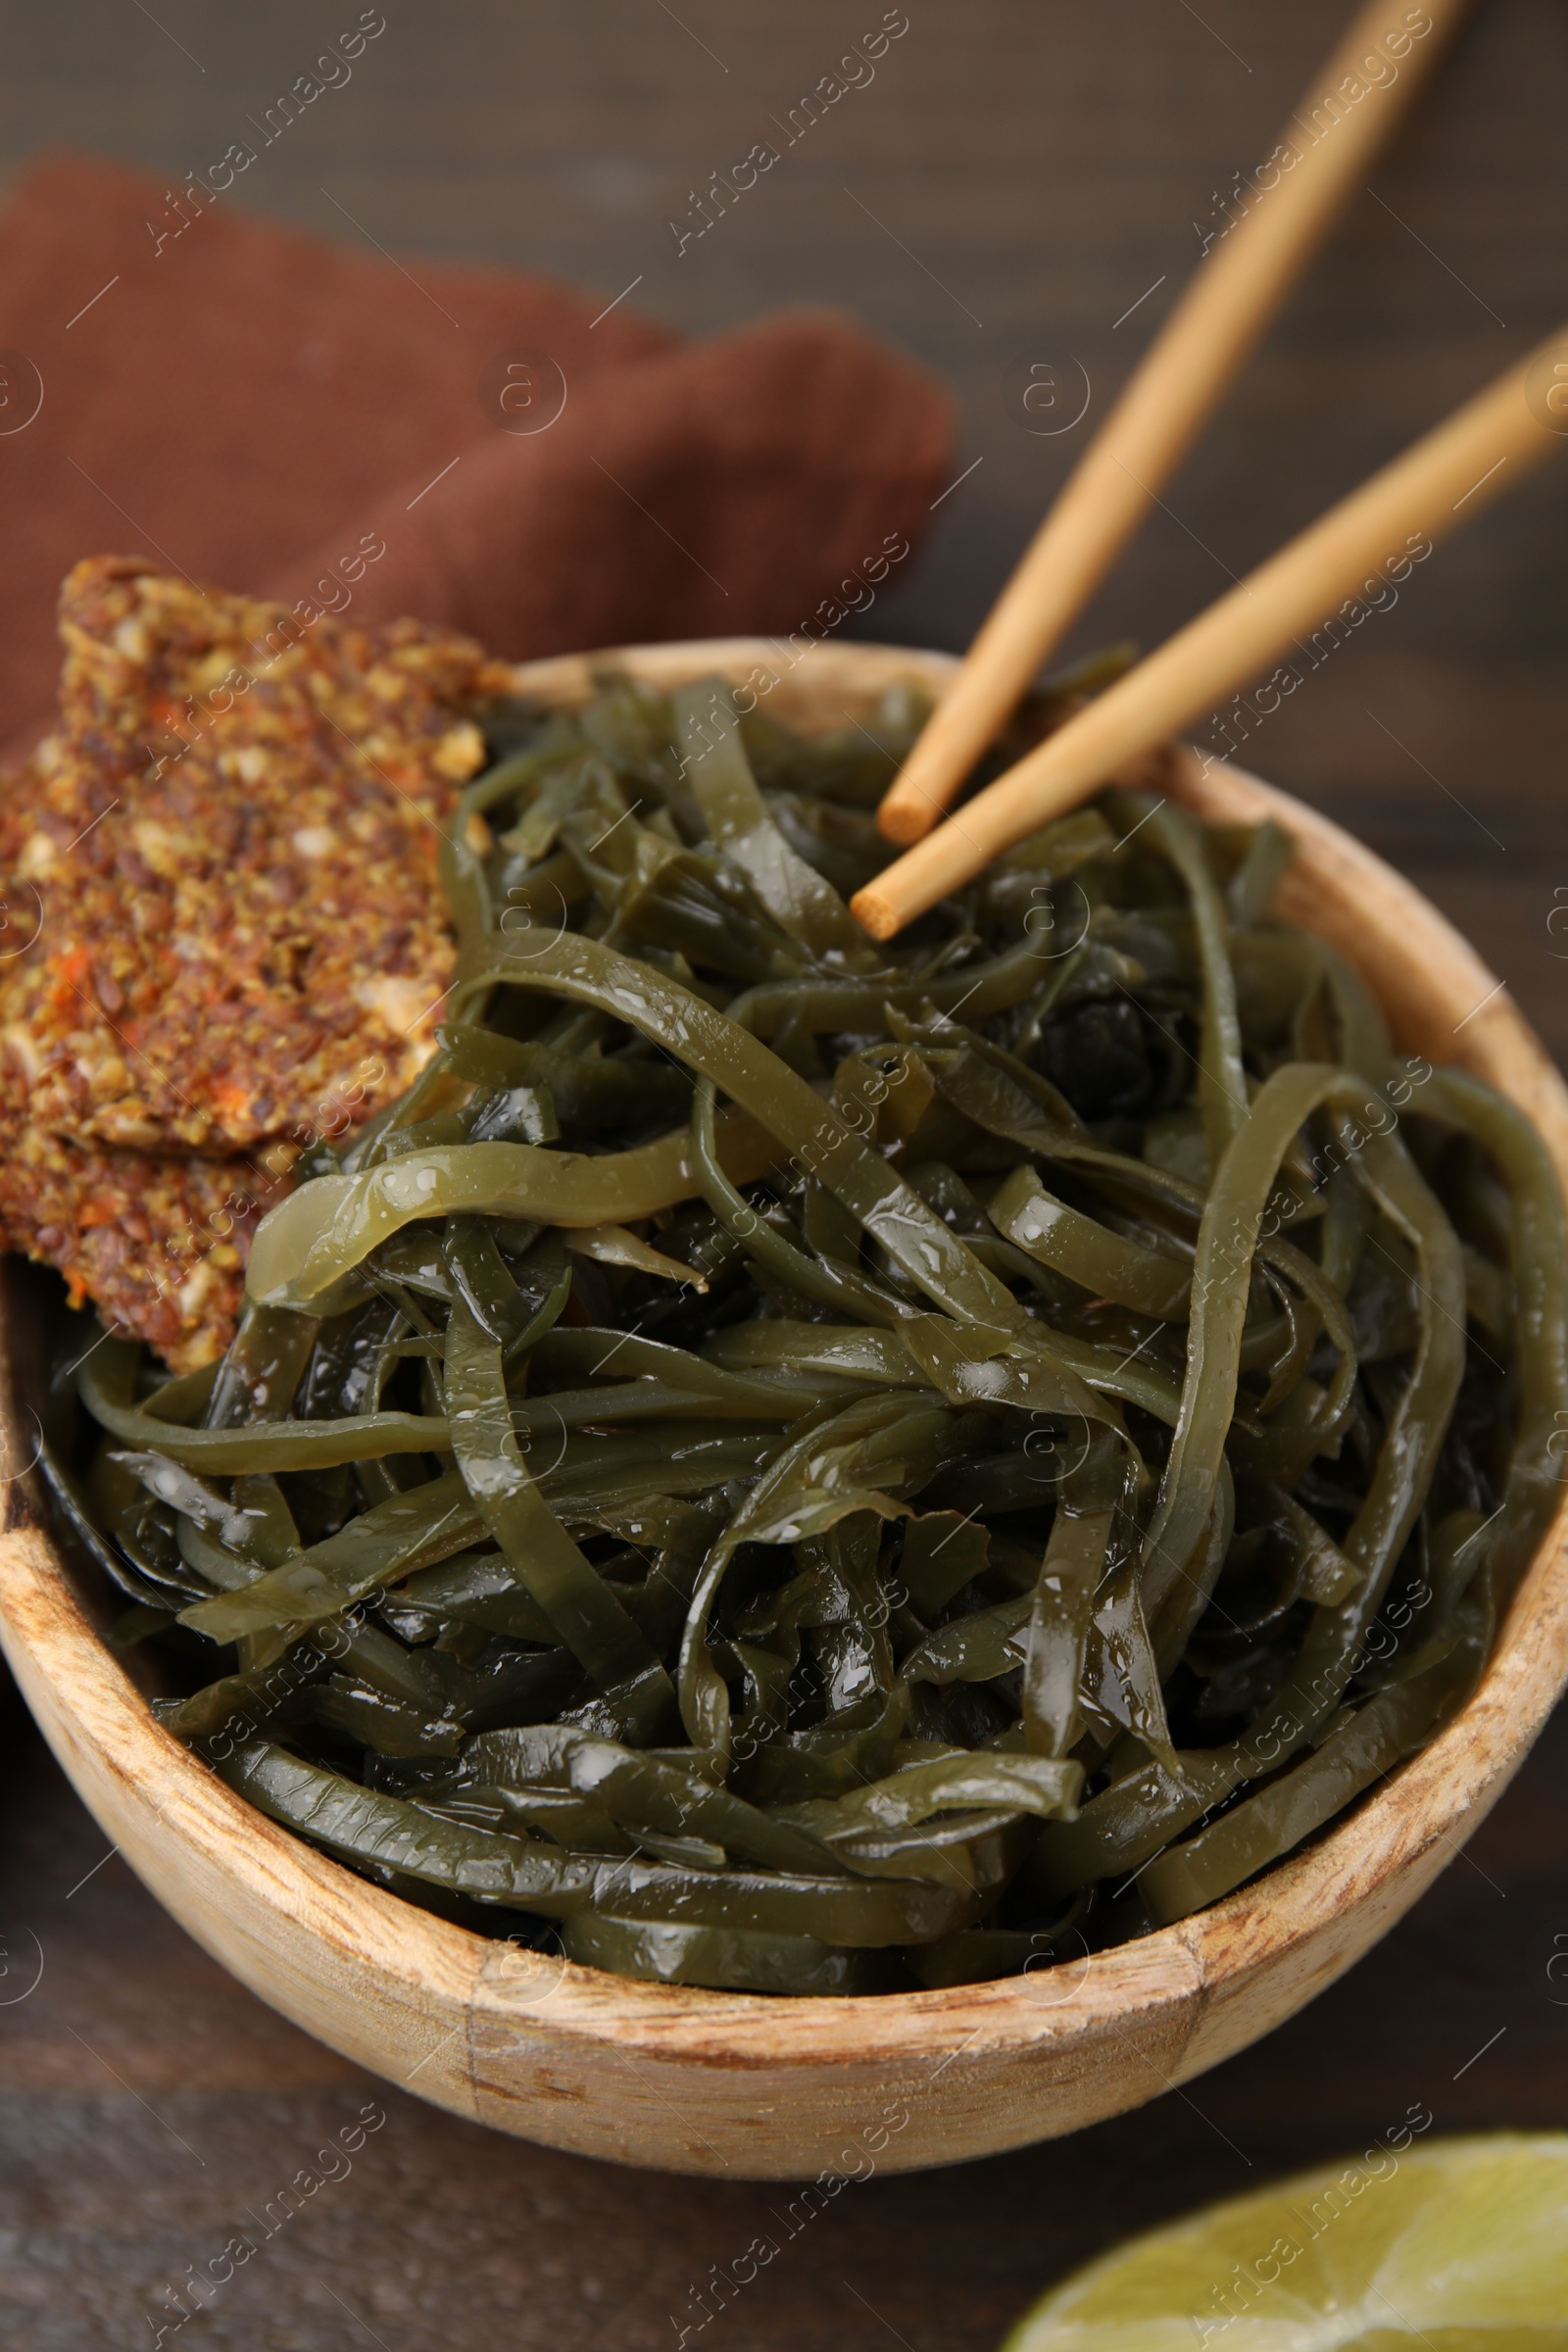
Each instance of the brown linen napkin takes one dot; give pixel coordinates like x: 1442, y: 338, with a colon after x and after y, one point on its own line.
x: 250, y: 406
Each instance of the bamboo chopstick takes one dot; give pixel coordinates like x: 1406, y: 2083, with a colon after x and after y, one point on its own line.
x: 1438, y: 484
x: 1235, y: 293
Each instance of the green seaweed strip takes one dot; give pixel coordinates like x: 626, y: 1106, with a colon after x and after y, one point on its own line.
x: 580, y: 1604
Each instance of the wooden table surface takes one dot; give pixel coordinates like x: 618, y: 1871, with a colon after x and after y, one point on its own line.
x: 1020, y: 174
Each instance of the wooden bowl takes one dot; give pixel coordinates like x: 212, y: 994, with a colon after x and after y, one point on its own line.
x: 739, y: 2084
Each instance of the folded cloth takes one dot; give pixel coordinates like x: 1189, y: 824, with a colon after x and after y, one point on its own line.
x: 263, y: 410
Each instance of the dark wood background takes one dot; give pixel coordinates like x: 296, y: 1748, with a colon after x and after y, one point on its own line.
x: 1032, y: 167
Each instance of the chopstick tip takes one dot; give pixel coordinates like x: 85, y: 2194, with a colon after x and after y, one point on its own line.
x: 903, y: 820
x: 876, y: 912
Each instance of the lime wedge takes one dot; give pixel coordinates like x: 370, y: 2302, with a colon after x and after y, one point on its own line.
x: 1461, y: 2245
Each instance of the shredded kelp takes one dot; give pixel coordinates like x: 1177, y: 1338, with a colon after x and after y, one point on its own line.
x: 789, y: 1464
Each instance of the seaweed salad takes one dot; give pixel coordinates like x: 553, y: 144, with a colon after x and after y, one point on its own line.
x: 797, y: 1465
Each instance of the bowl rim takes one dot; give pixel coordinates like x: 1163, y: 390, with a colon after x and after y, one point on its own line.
x: 1309, y: 1924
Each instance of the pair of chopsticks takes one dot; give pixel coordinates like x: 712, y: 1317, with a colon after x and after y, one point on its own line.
x: 1437, y: 485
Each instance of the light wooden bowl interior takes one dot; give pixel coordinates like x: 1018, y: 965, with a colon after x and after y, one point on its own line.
x: 739, y: 2085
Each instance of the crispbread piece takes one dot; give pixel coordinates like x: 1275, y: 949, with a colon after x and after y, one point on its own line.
x: 158, y: 1243
x: 232, y: 837
x: 224, y: 930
